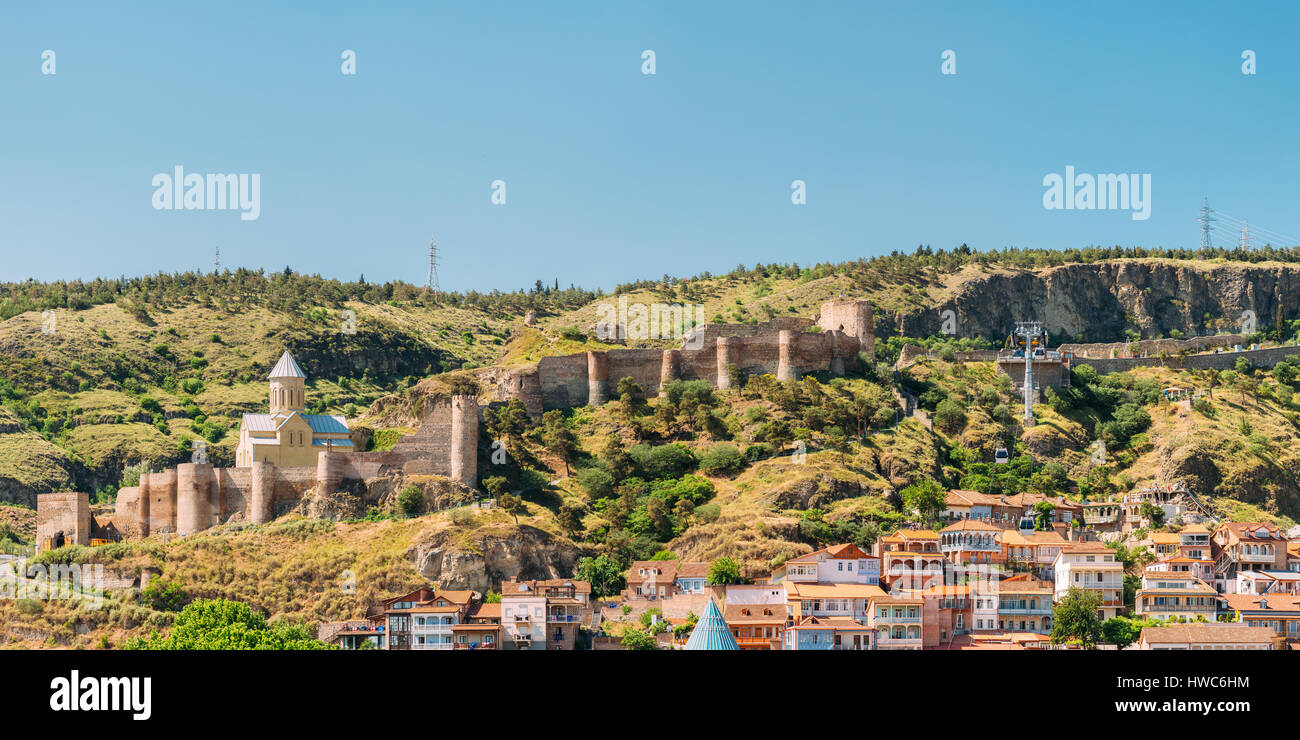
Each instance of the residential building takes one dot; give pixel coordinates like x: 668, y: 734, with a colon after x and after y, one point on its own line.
x: 1032, y: 551
x: 1238, y: 546
x: 836, y: 564
x: 1173, y: 595
x: 661, y: 579
x: 897, y: 620
x: 829, y: 599
x: 1090, y: 566
x: 352, y: 634
x: 1280, y: 613
x: 422, y: 619
x: 1024, y: 604
x: 1206, y: 636
x: 1256, y: 582
x: 829, y: 633
x: 544, y: 614
x: 481, y: 629
x: 910, y: 558
x: 756, y: 626
x: 971, y: 541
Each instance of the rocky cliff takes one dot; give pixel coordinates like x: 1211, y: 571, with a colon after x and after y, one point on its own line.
x: 491, y: 556
x: 1098, y: 301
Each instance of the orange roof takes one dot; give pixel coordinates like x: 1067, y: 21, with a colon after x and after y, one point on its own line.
x: 971, y: 525
x: 917, y: 534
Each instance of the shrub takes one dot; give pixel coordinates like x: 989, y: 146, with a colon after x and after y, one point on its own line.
x: 722, y: 459
x: 411, y: 501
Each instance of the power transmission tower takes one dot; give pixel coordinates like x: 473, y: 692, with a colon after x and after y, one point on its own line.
x: 1245, y: 234
x: 432, y: 283
x: 1206, y: 219
x: 216, y: 262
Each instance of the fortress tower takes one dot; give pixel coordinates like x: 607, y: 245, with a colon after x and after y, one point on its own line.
x: 854, y: 318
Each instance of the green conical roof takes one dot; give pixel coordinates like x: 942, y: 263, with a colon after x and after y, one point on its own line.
x: 711, y: 632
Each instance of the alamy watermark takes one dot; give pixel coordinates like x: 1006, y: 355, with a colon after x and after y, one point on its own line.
x: 56, y: 582
x: 178, y: 191
x: 1084, y: 192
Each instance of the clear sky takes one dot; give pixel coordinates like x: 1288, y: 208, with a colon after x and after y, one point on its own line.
x: 612, y: 175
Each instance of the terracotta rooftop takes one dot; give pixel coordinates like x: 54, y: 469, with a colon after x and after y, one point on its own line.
x: 1222, y: 633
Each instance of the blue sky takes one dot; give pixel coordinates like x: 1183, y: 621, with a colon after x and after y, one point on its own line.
x: 612, y: 175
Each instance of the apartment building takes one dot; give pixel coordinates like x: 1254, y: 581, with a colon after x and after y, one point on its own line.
x: 829, y: 599
x: 756, y: 626
x: 1024, y: 604
x: 1090, y: 566
x: 662, y: 579
x: 481, y: 629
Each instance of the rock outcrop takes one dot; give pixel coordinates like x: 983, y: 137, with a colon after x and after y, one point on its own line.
x: 481, y: 561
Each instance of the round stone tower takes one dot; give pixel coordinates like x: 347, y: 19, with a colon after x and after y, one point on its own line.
x: 262, y: 496
x: 597, y: 378
x: 193, y: 506
x: 464, y: 440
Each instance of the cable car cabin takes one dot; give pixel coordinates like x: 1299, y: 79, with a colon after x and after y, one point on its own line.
x: 1001, y: 456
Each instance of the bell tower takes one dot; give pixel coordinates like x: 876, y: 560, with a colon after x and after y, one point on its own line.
x: 288, y: 385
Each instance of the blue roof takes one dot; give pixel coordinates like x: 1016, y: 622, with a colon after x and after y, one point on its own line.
x: 711, y: 632
x: 324, y: 424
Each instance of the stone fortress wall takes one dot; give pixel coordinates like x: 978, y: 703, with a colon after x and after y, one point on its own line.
x: 195, y: 496
x: 782, y: 347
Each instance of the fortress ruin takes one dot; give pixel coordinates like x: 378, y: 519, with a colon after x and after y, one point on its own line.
x: 784, y: 347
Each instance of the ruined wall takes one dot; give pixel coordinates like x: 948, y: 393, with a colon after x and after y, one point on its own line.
x: 67, y: 513
x: 1151, y: 347
x: 1218, y: 361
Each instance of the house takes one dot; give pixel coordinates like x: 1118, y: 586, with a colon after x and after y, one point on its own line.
x: 481, y: 629
x: 835, y: 564
x: 1024, y: 604
x: 1174, y: 595
x: 1256, y: 582
x: 962, y: 505
x: 1238, y: 546
x: 288, y: 436
x: 1202, y: 569
x: 1280, y: 613
x: 422, y: 619
x: 352, y: 634
x: 1164, y: 544
x: 829, y: 599
x: 544, y: 614
x: 829, y: 633
x: 1032, y: 551
x: 756, y: 626
x: 897, y: 620
x: 910, y: 558
x: 946, y: 612
x: 1104, y: 515
x: 1090, y: 566
x: 971, y: 541
x: 1206, y: 636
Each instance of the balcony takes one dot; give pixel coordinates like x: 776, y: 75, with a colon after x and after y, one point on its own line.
x: 563, y: 618
x: 1026, y: 611
x: 890, y: 619
x: 1254, y: 557
x: 431, y: 629
x: 433, y: 646
x: 885, y: 642
x: 523, y: 619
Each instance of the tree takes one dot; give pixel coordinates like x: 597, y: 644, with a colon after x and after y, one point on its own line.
x: 1121, y: 631
x: 218, y: 624
x: 570, y: 517
x: 639, y: 639
x: 838, y: 441
x: 603, y: 573
x: 1044, y: 511
x: 558, y: 437
x: 724, y: 572
x: 949, y: 416
x: 1152, y: 513
x: 927, y: 498
x: 1077, y: 617
x: 512, y: 504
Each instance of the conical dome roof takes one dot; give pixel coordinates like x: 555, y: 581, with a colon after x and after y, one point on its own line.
x: 287, y: 367
x: 711, y: 632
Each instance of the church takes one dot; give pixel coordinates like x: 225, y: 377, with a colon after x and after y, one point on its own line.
x: 289, y: 436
